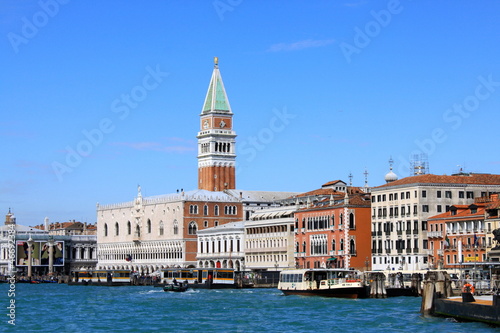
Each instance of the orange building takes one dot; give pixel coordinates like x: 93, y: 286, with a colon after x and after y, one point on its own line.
x: 457, y: 236
x: 335, y: 232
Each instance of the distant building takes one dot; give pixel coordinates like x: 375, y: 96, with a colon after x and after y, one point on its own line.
x: 222, y: 246
x: 334, y: 231
x: 74, y: 247
x: 402, y: 207
x: 68, y: 228
x: 269, y: 239
x: 457, y: 236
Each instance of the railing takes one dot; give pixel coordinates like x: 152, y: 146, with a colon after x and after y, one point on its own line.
x: 435, y: 234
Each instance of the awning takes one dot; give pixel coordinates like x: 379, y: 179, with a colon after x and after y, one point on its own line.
x: 331, y: 259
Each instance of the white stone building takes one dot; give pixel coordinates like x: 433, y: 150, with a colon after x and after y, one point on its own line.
x: 400, y: 210
x: 269, y: 239
x: 222, y: 246
x: 152, y: 233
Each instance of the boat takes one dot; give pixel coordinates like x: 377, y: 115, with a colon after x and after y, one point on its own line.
x: 327, y: 282
x: 179, y: 287
x: 203, y: 278
x: 111, y: 277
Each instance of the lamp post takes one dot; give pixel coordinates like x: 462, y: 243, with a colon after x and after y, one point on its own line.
x: 30, y: 244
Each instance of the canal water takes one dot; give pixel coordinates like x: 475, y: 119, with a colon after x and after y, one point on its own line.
x: 63, y: 308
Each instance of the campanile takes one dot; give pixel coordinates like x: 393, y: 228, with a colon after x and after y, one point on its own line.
x: 216, y: 139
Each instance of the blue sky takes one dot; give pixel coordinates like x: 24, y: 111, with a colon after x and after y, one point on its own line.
x: 319, y: 89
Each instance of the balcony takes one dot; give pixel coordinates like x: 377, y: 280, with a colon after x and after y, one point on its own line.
x: 300, y: 254
x: 379, y: 251
x: 400, y: 232
x: 415, y: 231
x: 435, y: 234
x: 440, y: 252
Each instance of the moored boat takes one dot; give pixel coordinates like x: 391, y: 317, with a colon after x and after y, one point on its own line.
x: 329, y: 282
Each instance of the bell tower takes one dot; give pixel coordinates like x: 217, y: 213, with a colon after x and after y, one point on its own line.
x: 216, y: 139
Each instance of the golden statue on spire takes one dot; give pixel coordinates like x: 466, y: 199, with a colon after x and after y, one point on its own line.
x: 216, y: 61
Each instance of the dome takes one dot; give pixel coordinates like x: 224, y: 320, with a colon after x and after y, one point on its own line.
x: 391, y: 176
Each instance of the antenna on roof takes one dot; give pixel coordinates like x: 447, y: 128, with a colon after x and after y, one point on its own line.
x: 350, y: 178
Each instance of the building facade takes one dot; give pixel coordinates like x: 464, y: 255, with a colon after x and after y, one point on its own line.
x: 334, y: 232
x: 222, y: 246
x: 152, y: 233
x: 457, y: 236
x: 269, y: 239
x: 401, y: 209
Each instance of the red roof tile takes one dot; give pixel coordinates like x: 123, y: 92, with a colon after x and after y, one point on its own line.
x: 473, y: 178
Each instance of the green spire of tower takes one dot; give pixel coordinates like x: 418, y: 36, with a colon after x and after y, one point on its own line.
x: 216, y: 99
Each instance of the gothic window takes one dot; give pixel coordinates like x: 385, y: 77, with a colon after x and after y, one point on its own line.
x: 205, y: 224
x: 129, y: 228
x: 341, y: 245
x: 192, y: 228
x: 304, y: 247
x: 205, y: 210
x: 161, y: 228
x: 105, y: 229
x: 352, y: 247
x: 149, y: 226
x: 333, y: 244
x: 137, y: 231
x: 176, y: 227
x: 117, y: 229
x: 216, y: 210
x: 351, y: 221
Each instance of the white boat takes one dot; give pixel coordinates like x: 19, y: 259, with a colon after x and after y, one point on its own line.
x: 328, y: 282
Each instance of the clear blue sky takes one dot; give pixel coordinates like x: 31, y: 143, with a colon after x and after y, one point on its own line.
x: 319, y: 89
